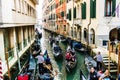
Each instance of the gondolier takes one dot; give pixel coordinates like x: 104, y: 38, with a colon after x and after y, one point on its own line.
x: 40, y: 62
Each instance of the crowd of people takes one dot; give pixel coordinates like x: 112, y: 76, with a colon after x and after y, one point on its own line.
x: 99, y: 75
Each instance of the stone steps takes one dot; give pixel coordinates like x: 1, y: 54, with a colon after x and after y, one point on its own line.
x: 113, y: 67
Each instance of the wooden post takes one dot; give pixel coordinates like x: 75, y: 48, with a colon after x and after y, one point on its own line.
x: 6, y: 57
x: 109, y: 55
x: 118, y: 60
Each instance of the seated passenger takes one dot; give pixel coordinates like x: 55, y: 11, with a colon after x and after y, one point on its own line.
x: 68, y: 56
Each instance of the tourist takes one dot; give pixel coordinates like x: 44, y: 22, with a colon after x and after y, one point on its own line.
x: 99, y: 61
x: 93, y: 74
x: 99, y: 73
x: 40, y: 62
x: 119, y: 76
x: 69, y: 48
x: 105, y: 75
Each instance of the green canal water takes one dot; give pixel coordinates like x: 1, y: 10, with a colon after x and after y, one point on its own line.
x: 75, y: 73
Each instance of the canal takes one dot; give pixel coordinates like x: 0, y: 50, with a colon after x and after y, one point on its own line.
x: 59, y: 65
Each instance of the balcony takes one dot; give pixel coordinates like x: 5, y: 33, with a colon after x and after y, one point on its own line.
x: 78, y: 21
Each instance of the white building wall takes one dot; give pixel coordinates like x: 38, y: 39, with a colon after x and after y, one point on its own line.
x: 16, y: 16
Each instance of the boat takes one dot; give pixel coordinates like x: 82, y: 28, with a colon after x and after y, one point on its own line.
x: 57, y: 51
x: 78, y: 47
x: 28, y: 70
x: 47, y: 71
x: 70, y: 64
x: 51, y: 40
x: 90, y: 62
x: 63, y: 39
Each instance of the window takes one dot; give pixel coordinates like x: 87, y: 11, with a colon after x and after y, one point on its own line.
x: 69, y: 14
x: 83, y: 10
x: 64, y: 27
x: 92, y: 8
x: 62, y: 14
x: 74, y: 12
x: 8, y: 42
x: 110, y: 7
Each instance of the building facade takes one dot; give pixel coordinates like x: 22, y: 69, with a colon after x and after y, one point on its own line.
x: 92, y: 22
x: 17, y: 21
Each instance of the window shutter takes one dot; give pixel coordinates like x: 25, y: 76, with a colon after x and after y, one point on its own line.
x: 85, y: 10
x: 91, y: 8
x: 69, y: 14
x: 94, y: 15
x: 74, y: 12
x: 113, y: 7
x: 82, y: 10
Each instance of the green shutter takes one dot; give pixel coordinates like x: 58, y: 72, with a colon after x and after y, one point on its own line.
x: 94, y: 15
x: 62, y: 13
x: 82, y: 10
x: 74, y: 12
x: 91, y: 8
x: 85, y: 10
x: 69, y: 14
x: 105, y: 9
x: 113, y: 7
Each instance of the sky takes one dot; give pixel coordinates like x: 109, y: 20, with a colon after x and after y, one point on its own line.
x: 39, y: 9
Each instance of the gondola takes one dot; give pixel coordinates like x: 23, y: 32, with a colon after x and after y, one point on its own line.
x: 28, y: 70
x: 47, y: 71
x: 51, y: 41
x: 57, y: 51
x: 89, y: 62
x: 78, y: 47
x: 63, y: 39
x: 70, y: 64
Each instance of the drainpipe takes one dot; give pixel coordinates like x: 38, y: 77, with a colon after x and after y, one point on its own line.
x: 88, y: 27
x: 73, y: 20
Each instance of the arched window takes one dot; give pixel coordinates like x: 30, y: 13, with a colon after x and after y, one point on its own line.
x: 85, y: 34
x: 92, y: 36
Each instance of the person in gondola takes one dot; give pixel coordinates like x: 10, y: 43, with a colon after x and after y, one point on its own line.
x: 72, y: 55
x: 68, y: 48
x: 93, y: 74
x: 68, y: 57
x: 40, y: 62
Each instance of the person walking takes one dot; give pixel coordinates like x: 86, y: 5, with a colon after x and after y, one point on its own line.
x: 93, y: 74
x: 99, y: 61
x: 40, y: 62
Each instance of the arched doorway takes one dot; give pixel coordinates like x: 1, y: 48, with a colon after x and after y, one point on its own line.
x: 79, y: 33
x: 114, y: 37
x: 75, y: 33
x: 71, y: 32
x: 85, y: 34
x: 92, y: 36
x: 114, y: 34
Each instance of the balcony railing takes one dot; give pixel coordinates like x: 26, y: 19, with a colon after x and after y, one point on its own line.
x: 19, y: 47
x: 78, y: 21
x: 10, y: 53
x: 25, y: 42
